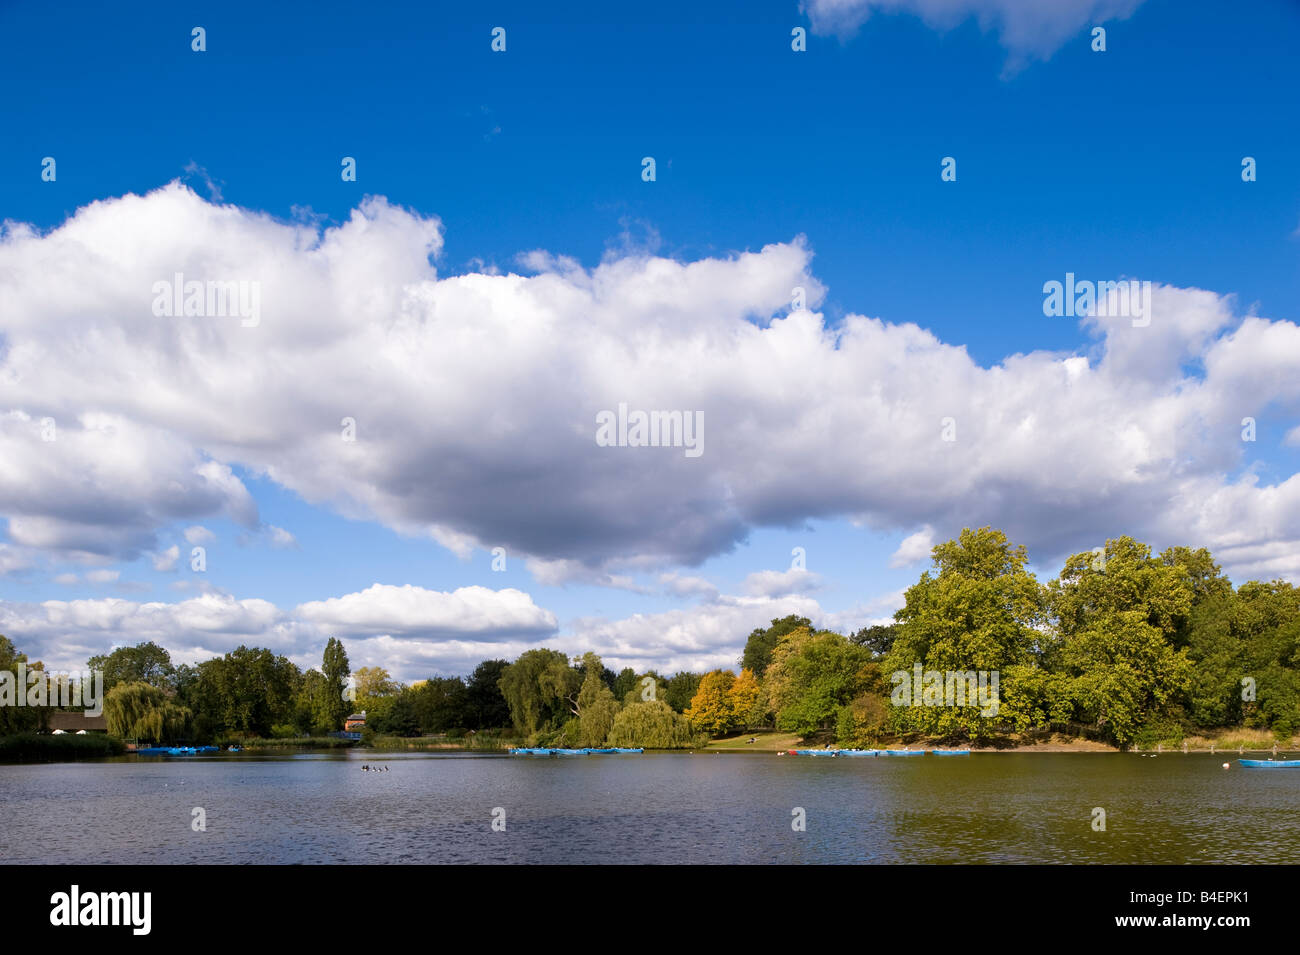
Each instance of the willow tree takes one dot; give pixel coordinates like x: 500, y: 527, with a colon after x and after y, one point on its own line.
x: 652, y: 724
x: 537, y: 687
x: 595, y: 706
x: 141, y: 711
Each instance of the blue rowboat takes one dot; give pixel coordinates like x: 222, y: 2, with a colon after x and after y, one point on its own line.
x: 569, y: 752
x: 1270, y: 763
x: 902, y: 752
x: 815, y: 752
x: 951, y: 752
x: 859, y: 752
x: 529, y: 751
x: 596, y: 752
x: 620, y: 749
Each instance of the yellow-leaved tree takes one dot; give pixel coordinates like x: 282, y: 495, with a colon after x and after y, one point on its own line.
x: 712, y: 708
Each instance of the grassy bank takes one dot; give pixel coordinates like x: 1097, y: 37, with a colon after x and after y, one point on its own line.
x: 1230, y: 740
x: 481, y: 742
x: 47, y: 748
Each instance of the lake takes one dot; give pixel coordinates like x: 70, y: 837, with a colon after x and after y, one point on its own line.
x: 652, y: 808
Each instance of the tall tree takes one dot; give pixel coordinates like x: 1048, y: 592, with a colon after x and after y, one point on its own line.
x: 594, y: 705
x: 652, y: 724
x: 712, y: 709
x: 763, y: 640
x: 538, y: 688
x: 18, y: 719
x: 813, y: 675
x: 1120, y: 620
x: 144, y: 712
x: 976, y: 610
x: 143, y: 663
x: 486, y: 706
x: 334, y: 664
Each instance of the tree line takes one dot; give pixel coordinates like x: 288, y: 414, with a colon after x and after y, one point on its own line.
x: 1130, y: 644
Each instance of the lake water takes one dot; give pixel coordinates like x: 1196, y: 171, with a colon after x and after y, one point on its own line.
x: 656, y: 808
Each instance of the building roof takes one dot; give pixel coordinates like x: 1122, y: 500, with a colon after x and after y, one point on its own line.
x: 63, y: 720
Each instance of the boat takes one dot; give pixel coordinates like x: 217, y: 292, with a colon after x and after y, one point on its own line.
x: 596, y: 752
x: 1270, y: 763
x: 950, y: 752
x: 902, y: 752
x: 815, y: 752
x: 859, y: 752
x: 624, y: 749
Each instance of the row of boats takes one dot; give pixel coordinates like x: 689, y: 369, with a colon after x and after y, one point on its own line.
x: 544, y: 751
x: 181, y: 750
x: 878, y: 752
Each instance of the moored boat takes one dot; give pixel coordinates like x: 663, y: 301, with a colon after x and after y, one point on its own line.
x: 902, y: 752
x: 1270, y: 763
x: 859, y: 752
x: 950, y: 752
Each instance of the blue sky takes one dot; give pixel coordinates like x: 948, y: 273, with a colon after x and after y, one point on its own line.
x: 1119, y: 164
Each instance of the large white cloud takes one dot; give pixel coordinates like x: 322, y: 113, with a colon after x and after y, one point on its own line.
x: 400, y: 628
x: 410, y: 631
x: 475, y: 400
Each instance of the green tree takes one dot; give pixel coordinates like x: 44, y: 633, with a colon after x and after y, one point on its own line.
x: 813, y: 675
x: 977, y: 609
x: 18, y: 719
x: 763, y: 640
x: 486, y: 706
x: 399, y: 717
x: 878, y: 638
x: 681, y: 689
x: 594, y: 706
x: 538, y: 688
x: 334, y: 664
x: 441, y: 704
x: 625, y: 682
x: 653, y: 725
x: 247, y: 691
x: 143, y: 663
x: 144, y: 712
x: 313, y: 710
x: 1120, y: 619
